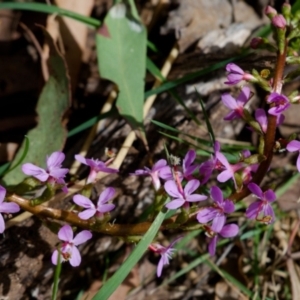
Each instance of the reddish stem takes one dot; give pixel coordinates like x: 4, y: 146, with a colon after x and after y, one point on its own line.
x: 270, y: 134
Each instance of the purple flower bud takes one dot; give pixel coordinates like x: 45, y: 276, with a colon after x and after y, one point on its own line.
x: 236, y: 74
x: 270, y: 11
x: 279, y: 21
x: 256, y: 42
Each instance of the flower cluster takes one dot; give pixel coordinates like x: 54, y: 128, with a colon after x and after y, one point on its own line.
x: 185, y: 183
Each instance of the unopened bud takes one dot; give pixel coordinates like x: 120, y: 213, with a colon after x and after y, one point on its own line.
x: 270, y: 11
x: 279, y: 21
x: 256, y: 42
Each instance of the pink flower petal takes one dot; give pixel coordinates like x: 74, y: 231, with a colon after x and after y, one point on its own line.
x: 7, y: 207
x: 270, y: 196
x: 87, y: 214
x: 195, y: 198
x: 212, y: 245
x: 261, y: 118
x: 268, y: 211
x: 175, y: 204
x: 218, y: 223
x: 66, y: 233
x: 229, y: 101
x: 58, y: 173
x: 172, y: 189
x: 228, y: 207
x: 191, y: 186
x: 244, y: 96
x: 255, y: 189
x: 103, y: 208
x: 206, y: 214
x: 160, y: 267
x: 37, y: 172
x: 81, y: 159
x: 293, y: 146
x: 83, y: 201
x: 82, y: 237
x: 229, y: 231
x: 2, y: 194
x: 106, y: 195
x: 216, y: 194
x: 159, y: 164
x: 224, y: 176
x: 253, y: 210
x: 231, y: 67
x: 55, y: 159
x: 54, y: 257
x: 75, y: 259
x: 2, y: 224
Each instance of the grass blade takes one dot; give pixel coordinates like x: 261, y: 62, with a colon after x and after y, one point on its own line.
x: 51, y: 9
x: 111, y: 285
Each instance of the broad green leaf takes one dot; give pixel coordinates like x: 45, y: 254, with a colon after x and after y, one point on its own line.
x: 110, y: 286
x: 50, y: 134
x: 121, y: 49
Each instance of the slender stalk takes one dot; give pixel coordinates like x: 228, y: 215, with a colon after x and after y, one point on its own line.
x: 73, y: 219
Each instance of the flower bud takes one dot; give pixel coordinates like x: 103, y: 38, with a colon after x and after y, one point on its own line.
x: 270, y: 11
x: 279, y: 21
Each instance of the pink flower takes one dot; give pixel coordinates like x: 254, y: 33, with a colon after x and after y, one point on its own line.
x: 294, y: 146
x: 217, y: 212
x: 165, y: 252
x: 155, y: 172
x: 182, y: 197
x: 229, y: 169
x: 6, y: 207
x: 68, y: 250
x: 54, y: 173
x: 207, y: 167
x: 228, y: 231
x: 187, y: 164
x: 91, y: 209
x: 261, y: 118
x: 281, y: 103
x: 236, y: 105
x: 279, y: 21
x: 96, y: 167
x: 262, y: 205
x: 236, y: 74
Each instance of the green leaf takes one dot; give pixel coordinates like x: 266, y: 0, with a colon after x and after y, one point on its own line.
x: 111, y: 285
x: 56, y: 278
x: 50, y: 9
x: 121, y: 50
x: 50, y: 134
